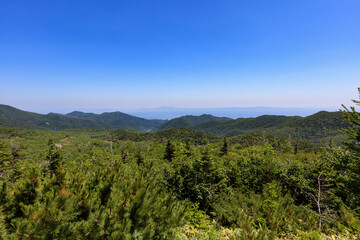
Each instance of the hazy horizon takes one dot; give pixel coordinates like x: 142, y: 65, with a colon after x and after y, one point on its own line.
x: 168, y: 112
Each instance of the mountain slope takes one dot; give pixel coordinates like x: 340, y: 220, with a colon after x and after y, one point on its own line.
x: 318, y: 128
x: 119, y: 120
x: 78, y: 114
x: 174, y: 134
x: 16, y: 118
x: 244, y: 125
x: 190, y: 121
x: 226, y: 126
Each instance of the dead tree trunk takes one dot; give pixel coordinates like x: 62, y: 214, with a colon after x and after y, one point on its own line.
x: 317, y: 200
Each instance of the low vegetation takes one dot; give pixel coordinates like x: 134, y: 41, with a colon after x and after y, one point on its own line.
x: 178, y: 184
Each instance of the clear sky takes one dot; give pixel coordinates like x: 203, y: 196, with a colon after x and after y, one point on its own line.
x: 60, y: 55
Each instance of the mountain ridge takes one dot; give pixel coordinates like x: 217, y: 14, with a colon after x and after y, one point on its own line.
x: 16, y: 118
x: 317, y: 127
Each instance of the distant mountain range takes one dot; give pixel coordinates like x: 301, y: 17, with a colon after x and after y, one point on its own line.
x: 318, y: 127
x: 230, y: 112
x: 15, y: 118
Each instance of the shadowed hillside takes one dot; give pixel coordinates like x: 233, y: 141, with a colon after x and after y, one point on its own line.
x: 318, y: 128
x: 15, y: 118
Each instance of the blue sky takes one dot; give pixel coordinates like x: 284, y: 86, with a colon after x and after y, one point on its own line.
x: 63, y: 55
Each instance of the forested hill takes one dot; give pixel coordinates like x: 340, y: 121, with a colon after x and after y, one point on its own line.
x: 190, y: 121
x: 319, y: 127
x: 119, y: 120
x: 244, y: 125
x: 15, y: 118
x: 226, y: 126
x: 78, y: 114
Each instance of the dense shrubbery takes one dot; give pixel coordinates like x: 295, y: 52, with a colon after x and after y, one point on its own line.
x: 125, y: 185
x: 131, y: 191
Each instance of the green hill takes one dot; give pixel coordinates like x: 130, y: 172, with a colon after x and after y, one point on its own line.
x: 78, y: 114
x: 174, y: 134
x: 318, y: 128
x: 14, y: 118
x: 243, y: 125
x: 119, y: 120
x: 226, y: 126
x: 191, y: 122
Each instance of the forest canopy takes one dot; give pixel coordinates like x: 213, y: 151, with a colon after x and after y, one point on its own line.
x: 178, y: 184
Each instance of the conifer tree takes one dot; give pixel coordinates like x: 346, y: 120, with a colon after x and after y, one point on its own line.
x: 139, y: 157
x: 187, y: 148
x: 53, y: 157
x: 205, y: 162
x: 169, y: 154
x: 224, y: 149
x: 353, y: 131
x: 4, y: 159
x: 9, y: 158
x: 352, y: 117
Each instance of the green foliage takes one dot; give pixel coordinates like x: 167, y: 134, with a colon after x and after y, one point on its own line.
x: 271, y: 210
x: 191, y: 122
x: 280, y: 144
x: 352, y: 162
x: 318, y: 128
x: 178, y: 183
x: 313, y: 235
x: 173, y: 134
x: 104, y: 203
x: 53, y: 157
x: 9, y: 160
x: 353, y: 131
x: 169, y: 151
x: 14, y: 118
x: 224, y: 149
